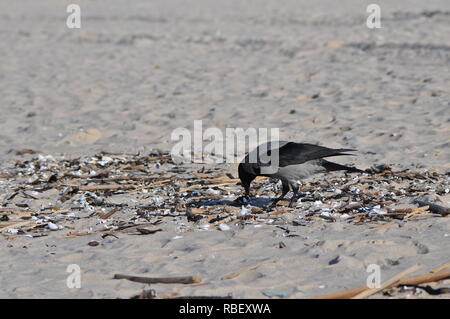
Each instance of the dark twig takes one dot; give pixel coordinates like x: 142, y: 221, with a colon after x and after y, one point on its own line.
x: 163, y: 280
x: 444, y: 211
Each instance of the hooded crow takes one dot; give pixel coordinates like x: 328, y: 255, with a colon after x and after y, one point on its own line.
x: 289, y: 162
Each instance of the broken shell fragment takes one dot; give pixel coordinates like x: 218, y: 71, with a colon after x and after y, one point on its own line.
x: 224, y: 227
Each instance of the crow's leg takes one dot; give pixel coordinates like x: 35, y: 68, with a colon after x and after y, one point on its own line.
x: 285, y: 190
x: 294, y: 197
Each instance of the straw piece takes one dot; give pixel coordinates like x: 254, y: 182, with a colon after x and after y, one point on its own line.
x: 279, y: 212
x: 384, y: 225
x: 238, y: 272
x: 7, y: 225
x: 109, y: 214
x: 437, y: 269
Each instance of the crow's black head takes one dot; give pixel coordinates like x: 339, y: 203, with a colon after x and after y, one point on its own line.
x: 246, y: 178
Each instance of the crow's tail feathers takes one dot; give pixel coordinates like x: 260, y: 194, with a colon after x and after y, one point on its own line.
x: 330, y: 166
x: 341, y: 151
x: 330, y: 152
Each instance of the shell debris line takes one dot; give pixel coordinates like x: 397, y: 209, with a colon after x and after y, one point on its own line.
x: 139, y: 194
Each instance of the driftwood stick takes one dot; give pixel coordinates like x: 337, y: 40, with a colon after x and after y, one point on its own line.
x: 131, y: 226
x: 101, y: 187
x: 93, y: 188
x: 123, y: 178
x: 420, y: 215
x: 14, y: 209
x: 408, y: 210
x: 163, y: 280
x: 434, y: 207
x: 344, y: 294
x: 416, y: 280
x: 109, y: 214
x: 121, y: 228
x: 145, y: 231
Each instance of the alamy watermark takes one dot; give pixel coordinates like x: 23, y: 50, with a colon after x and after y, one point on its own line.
x: 74, y: 19
x: 374, y: 279
x: 216, y: 146
x: 74, y: 279
x: 374, y: 19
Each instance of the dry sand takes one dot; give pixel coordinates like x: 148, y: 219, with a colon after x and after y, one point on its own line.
x: 137, y: 70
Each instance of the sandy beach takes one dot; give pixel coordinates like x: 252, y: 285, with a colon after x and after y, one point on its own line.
x: 135, y: 72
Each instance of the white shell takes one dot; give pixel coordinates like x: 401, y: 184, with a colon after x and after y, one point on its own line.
x: 244, y: 211
x: 52, y: 226
x: 224, y: 227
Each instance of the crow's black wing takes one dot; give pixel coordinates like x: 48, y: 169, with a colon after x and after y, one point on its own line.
x: 297, y: 153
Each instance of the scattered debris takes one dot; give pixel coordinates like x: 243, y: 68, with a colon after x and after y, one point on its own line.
x: 125, y: 193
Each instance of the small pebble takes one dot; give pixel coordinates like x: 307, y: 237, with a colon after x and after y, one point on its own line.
x: 93, y: 243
